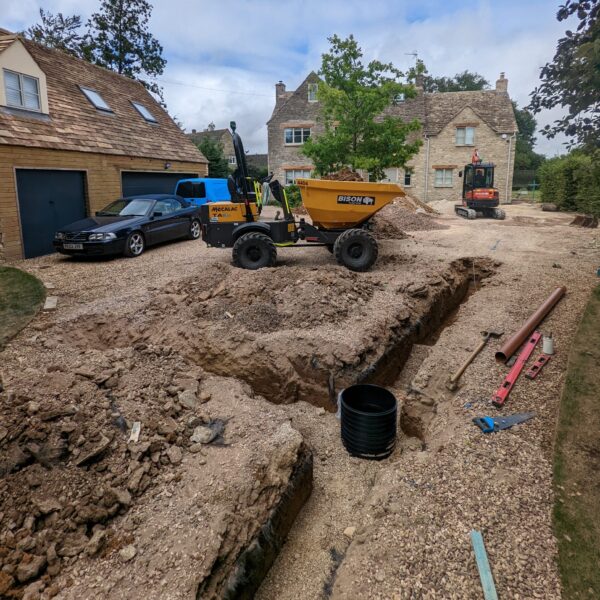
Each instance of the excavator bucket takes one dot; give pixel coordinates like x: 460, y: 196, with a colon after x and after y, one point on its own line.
x: 345, y: 204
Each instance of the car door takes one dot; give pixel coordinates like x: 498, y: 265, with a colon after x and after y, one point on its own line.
x: 166, y: 222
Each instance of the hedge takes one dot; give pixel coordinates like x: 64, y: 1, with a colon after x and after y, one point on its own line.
x: 572, y: 182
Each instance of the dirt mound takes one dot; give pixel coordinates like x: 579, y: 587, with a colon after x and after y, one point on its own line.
x: 69, y: 470
x: 344, y: 174
x: 269, y: 300
x: 396, y: 218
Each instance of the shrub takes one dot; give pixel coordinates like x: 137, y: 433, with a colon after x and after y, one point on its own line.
x: 572, y: 182
x: 293, y: 195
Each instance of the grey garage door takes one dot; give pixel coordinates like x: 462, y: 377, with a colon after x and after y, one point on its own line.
x: 48, y: 200
x: 151, y: 183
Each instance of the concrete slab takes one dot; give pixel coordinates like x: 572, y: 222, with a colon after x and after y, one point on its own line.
x: 51, y: 302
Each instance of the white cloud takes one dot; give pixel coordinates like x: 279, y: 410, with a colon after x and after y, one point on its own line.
x: 246, y: 46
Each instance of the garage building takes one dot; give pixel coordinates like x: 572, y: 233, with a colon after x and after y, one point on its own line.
x: 73, y: 137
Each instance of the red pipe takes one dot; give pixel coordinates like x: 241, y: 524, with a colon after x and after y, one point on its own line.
x: 514, y: 343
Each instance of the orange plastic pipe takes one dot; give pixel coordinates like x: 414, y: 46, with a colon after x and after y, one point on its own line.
x: 514, y: 343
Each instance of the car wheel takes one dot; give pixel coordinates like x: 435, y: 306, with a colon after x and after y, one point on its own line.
x: 135, y: 244
x: 356, y: 249
x: 254, y: 251
x: 195, y: 230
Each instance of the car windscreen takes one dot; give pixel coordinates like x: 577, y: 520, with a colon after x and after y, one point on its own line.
x: 126, y: 207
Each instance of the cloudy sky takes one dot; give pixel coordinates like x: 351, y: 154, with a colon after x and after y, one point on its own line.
x: 224, y: 56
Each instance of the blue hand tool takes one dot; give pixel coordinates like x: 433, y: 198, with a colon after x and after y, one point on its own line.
x: 491, y: 424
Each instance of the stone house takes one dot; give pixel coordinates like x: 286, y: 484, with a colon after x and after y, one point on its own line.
x: 73, y: 137
x: 220, y: 136
x: 453, y: 125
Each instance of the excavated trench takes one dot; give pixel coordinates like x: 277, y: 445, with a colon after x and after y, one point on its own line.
x: 305, y: 369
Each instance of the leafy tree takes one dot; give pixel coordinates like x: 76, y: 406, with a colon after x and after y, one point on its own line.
x: 525, y: 156
x: 217, y: 163
x: 58, y: 31
x: 572, y: 79
x: 120, y: 41
x: 353, y: 97
x: 466, y: 81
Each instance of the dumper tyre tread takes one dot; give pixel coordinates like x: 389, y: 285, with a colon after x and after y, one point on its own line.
x: 254, y: 251
x: 356, y: 249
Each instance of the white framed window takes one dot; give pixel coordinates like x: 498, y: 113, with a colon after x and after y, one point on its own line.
x: 465, y: 136
x: 443, y: 178
x: 96, y: 99
x: 22, y: 91
x: 313, y: 88
x: 408, y: 172
x: 231, y: 159
x: 292, y: 174
x: 295, y: 136
x: 148, y: 116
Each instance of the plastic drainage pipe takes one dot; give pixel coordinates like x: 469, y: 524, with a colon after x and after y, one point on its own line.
x: 368, y: 421
x: 514, y: 343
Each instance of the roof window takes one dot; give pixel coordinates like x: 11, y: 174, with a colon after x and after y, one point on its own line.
x: 148, y: 116
x: 96, y: 99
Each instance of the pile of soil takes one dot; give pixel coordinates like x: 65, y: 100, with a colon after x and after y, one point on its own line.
x: 396, y: 218
x: 70, y: 474
x: 344, y: 174
x: 259, y: 301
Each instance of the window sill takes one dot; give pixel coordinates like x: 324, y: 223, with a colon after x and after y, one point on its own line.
x: 300, y: 144
x: 443, y: 186
x: 464, y: 145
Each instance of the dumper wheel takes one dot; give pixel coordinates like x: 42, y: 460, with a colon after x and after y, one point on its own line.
x: 254, y: 251
x: 356, y: 249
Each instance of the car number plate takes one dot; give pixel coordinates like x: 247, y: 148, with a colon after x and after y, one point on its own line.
x: 73, y: 246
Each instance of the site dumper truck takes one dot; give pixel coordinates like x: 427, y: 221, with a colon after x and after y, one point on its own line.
x: 340, y: 214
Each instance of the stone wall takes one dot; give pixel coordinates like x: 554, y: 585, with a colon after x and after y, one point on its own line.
x: 441, y: 151
x: 297, y: 112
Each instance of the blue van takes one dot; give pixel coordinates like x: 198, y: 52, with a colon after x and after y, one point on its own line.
x: 199, y: 191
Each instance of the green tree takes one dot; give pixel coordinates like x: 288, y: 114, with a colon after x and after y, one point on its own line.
x: 217, y: 163
x: 120, y: 41
x: 525, y: 156
x: 353, y: 97
x: 466, y: 81
x: 58, y: 31
x: 572, y: 79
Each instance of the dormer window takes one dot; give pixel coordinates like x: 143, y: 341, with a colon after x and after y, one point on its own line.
x: 96, y: 99
x: 144, y: 112
x: 22, y: 91
x: 313, y: 88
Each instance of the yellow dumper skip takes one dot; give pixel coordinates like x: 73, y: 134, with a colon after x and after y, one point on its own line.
x: 345, y: 204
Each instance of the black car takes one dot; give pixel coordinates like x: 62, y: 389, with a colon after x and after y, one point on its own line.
x: 128, y: 225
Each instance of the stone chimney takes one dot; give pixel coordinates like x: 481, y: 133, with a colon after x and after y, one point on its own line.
x: 502, y: 84
x: 279, y: 91
x: 193, y: 131
x: 420, y: 81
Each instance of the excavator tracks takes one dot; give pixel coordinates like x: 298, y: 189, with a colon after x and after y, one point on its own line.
x: 471, y: 213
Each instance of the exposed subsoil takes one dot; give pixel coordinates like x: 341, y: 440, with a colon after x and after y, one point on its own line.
x: 191, y: 347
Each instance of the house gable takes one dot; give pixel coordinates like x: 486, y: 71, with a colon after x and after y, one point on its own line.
x: 297, y: 102
x: 15, y: 58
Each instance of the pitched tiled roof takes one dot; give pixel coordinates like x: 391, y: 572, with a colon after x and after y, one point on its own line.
x: 6, y: 40
x: 74, y: 124
x: 495, y: 108
x: 435, y: 111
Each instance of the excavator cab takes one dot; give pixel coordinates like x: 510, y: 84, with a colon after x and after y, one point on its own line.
x: 479, y: 196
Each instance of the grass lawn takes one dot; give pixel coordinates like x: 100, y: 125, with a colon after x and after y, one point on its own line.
x: 21, y: 296
x: 577, y: 463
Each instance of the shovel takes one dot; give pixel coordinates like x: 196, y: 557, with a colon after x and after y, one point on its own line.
x: 453, y: 381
